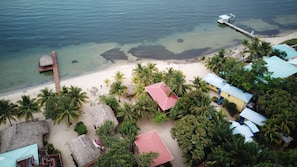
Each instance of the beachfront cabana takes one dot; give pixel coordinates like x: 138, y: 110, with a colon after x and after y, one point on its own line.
x: 252, y: 116
x: 163, y: 95
x: 291, y: 52
x: 83, y: 151
x: 23, y: 134
x: 25, y: 156
x: 151, y: 141
x: 227, y: 91
x: 101, y: 113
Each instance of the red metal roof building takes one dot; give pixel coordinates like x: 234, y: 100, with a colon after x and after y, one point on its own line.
x: 151, y: 141
x: 160, y: 93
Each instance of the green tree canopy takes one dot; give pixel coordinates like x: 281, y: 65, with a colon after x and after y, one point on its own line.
x: 8, y: 111
x: 27, y: 107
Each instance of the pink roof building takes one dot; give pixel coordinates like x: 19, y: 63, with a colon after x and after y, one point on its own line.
x: 162, y: 95
x: 151, y: 141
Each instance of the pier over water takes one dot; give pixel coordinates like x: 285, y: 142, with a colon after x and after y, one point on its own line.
x: 229, y: 20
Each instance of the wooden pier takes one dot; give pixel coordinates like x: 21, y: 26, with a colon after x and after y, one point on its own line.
x: 56, y: 72
x: 51, y: 65
x: 226, y: 19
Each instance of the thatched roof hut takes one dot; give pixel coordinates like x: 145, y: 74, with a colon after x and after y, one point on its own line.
x: 23, y: 134
x: 83, y: 151
x: 101, y: 113
x: 46, y: 60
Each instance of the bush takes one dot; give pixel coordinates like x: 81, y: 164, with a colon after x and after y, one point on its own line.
x: 215, y: 99
x: 231, y: 108
x: 51, y: 149
x: 160, y: 117
x: 80, y: 128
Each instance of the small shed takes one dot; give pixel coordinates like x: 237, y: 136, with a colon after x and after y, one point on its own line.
x: 46, y: 60
x: 83, y: 151
x: 163, y: 95
x: 23, y: 134
x: 151, y: 141
x: 101, y: 113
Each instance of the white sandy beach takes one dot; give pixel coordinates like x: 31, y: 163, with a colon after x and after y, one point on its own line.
x: 60, y: 134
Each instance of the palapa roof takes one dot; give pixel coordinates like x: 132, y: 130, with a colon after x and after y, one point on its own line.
x: 46, y: 60
x: 83, y: 150
x: 101, y: 113
x: 151, y: 141
x: 23, y: 134
x: 160, y: 93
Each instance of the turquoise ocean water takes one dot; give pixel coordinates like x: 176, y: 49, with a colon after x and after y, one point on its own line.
x: 84, y: 30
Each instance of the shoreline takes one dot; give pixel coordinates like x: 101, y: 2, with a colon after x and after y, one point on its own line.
x: 60, y: 134
x: 273, y: 39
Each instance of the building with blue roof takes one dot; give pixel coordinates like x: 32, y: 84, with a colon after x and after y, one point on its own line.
x: 291, y: 52
x: 278, y: 67
x: 28, y: 154
x: 227, y: 91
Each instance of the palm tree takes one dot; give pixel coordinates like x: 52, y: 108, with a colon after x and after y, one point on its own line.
x: 118, y: 89
x: 107, y: 81
x: 45, y: 96
x: 27, y: 107
x: 8, y: 111
x: 200, y: 85
x: 178, y: 83
x: 286, y: 121
x: 77, y: 95
x: 216, y: 63
x: 145, y: 75
x: 119, y: 76
x: 67, y: 110
x: 145, y: 107
x: 271, y: 132
x: 127, y: 113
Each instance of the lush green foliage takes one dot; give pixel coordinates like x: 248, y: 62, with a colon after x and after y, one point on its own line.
x: 106, y: 133
x: 290, y: 41
x: 118, y: 89
x: 129, y: 129
x: 80, y: 128
x: 146, y: 159
x: 118, y: 154
x: 65, y: 105
x: 231, y: 107
x: 160, y: 117
x: 27, y: 107
x: 8, y: 111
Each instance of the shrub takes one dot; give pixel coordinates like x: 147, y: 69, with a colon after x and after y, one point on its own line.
x: 215, y: 99
x: 231, y: 108
x: 51, y: 149
x: 160, y: 117
x: 80, y: 128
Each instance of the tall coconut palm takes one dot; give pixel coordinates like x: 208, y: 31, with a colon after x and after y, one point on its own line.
x: 178, y: 83
x: 216, y: 63
x: 27, y: 107
x: 145, y: 74
x: 45, y: 96
x: 76, y: 94
x: 127, y: 113
x: 119, y: 76
x: 67, y: 110
x: 199, y: 84
x: 118, y: 89
x: 271, y: 132
x: 8, y: 111
x: 286, y: 121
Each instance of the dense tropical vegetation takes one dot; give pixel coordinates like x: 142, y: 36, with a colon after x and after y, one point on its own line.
x: 203, y: 133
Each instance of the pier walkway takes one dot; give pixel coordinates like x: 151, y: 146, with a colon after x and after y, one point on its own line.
x: 56, y: 72
x: 225, y: 19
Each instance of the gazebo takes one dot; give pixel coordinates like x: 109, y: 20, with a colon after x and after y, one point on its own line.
x: 83, y: 151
